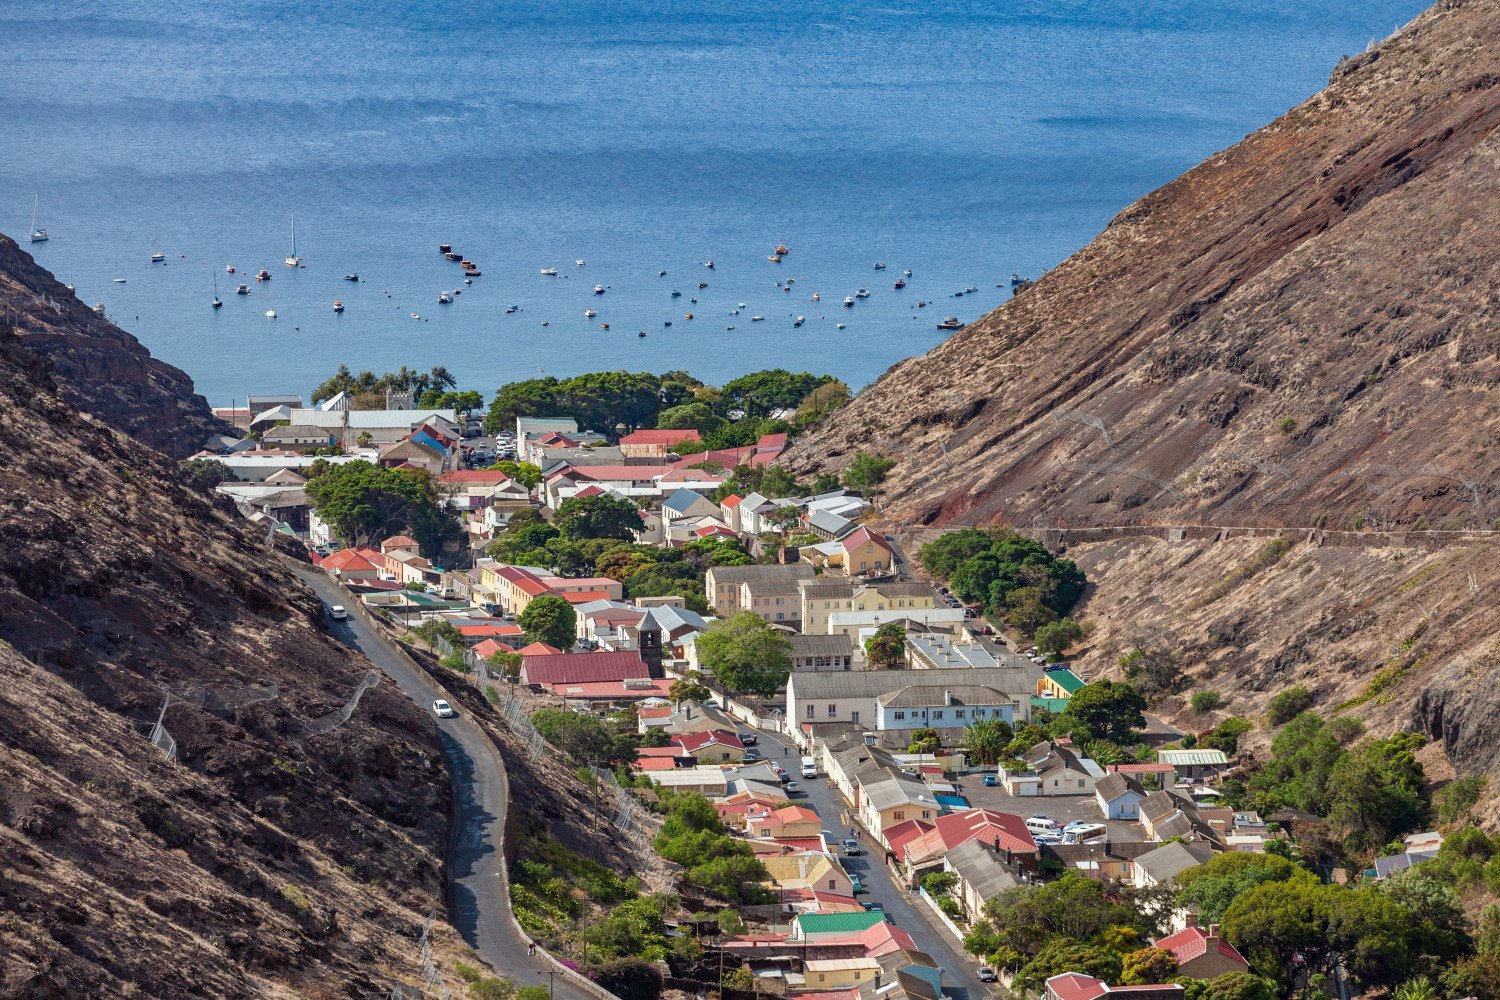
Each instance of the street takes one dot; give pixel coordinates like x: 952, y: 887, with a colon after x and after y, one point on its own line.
x: 904, y: 909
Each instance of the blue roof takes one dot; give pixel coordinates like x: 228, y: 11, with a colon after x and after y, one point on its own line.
x: 681, y: 500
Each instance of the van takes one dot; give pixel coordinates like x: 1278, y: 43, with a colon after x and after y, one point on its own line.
x: 809, y: 768
x: 1043, y: 824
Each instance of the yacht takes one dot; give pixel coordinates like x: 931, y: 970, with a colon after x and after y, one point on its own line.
x: 158, y: 257
x: 338, y: 306
x: 580, y: 262
x: 781, y: 250
x: 550, y: 272
x: 907, y: 272
x: 951, y: 323
x: 900, y: 283
x: 242, y: 290
x: 863, y: 293
x: 702, y: 285
x: 351, y: 277
x: 455, y: 257
x: 264, y: 275
x: 676, y: 294
x: 38, y: 234
x: 589, y: 314
x: 841, y: 326
x: 270, y: 312
x: 879, y: 266
x: 217, y: 301
x: 445, y: 248
x: 228, y: 268
x: 512, y: 308
x: 709, y: 264
x: 756, y: 319
x: 444, y: 298
x: 119, y: 281
x: 292, y: 260
x: 598, y: 289
x: 848, y: 302
x: 799, y: 321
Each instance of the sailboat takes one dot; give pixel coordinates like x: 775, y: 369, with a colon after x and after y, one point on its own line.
x: 38, y: 235
x: 217, y: 303
x: 270, y: 313
x: 292, y: 259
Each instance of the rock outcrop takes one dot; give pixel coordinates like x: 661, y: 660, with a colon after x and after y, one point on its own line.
x: 98, y: 367
x: 264, y: 861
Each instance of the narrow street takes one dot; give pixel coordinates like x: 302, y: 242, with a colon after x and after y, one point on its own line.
x: 904, y: 909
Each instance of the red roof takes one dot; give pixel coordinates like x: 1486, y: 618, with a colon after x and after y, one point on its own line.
x: 1141, y: 768
x: 859, y: 536
x: 589, y: 491
x: 902, y: 834
x: 1077, y: 986
x: 489, y: 630
x: 988, y: 825
x: 537, y: 648
x: 771, y: 441
x: 713, y: 529
x: 668, y: 438
x: 791, y: 814
x: 347, y: 560
x: 655, y: 764
x: 584, y: 596
x: 796, y: 845
x: 731, y: 501
x: 659, y: 752
x: 583, y: 668
x: 1192, y: 942
x: 490, y: 647
x: 663, y: 712
x: 398, y: 542
x: 488, y: 477
x: 693, y: 742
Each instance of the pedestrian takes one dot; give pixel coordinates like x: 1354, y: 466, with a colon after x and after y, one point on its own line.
x: 531, y: 949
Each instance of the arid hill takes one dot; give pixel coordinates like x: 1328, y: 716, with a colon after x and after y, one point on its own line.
x: 264, y: 862
x: 97, y: 366
x: 1304, y: 329
x: 1303, y: 333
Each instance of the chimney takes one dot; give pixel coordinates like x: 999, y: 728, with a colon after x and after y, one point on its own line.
x: 947, y: 697
x: 1192, y: 920
x: 1213, y: 932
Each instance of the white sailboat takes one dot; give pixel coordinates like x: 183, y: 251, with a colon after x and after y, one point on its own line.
x: 292, y: 260
x: 270, y: 313
x: 217, y: 302
x: 38, y: 234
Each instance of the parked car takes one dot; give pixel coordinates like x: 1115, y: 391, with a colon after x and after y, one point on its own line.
x: 852, y: 849
x: 874, y: 907
x: 442, y: 709
x: 337, y: 612
x: 792, y: 788
x: 752, y: 754
x: 987, y: 975
x: 859, y: 887
x: 784, y: 778
x: 749, y: 739
x: 991, y: 780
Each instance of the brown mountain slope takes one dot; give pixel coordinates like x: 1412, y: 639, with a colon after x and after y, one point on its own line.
x: 1304, y: 329
x: 99, y: 368
x: 266, y: 862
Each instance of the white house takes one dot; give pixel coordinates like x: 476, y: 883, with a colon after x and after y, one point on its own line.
x: 1119, y: 796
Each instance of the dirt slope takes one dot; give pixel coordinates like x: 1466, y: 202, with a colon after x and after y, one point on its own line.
x: 1303, y: 329
x: 267, y: 862
x: 98, y: 367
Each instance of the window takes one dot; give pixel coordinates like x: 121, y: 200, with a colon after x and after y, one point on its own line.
x: 833, y: 710
x: 938, y: 714
x: 779, y: 615
x: 830, y: 883
x: 1080, y: 782
x: 927, y: 814
x: 958, y: 713
x: 978, y: 713
x: 898, y: 715
x: 898, y: 815
x: 812, y: 711
x: 1054, y: 782
x: 854, y: 717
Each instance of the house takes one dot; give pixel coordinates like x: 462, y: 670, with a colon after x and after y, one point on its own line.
x: 724, y: 586
x: 1119, y: 796
x: 1058, y: 682
x: 717, y: 746
x: 478, y: 489
x: 1202, y: 954
x: 872, y: 698
x: 862, y: 552
x: 857, y: 623
x: 814, y: 927
x: 558, y: 669
x: 1052, y: 768
x: 706, y: 780
x: 353, y: 565
x: 654, y: 443
x: 297, y: 436
x: 820, y: 597
x: 1077, y: 986
x: 982, y: 874
x: 1162, y: 865
x: 1195, y: 765
x: 685, y: 504
x: 1107, y: 860
x: 1004, y: 832
x: 1166, y: 814
x: 822, y: 652
x: 808, y: 870
x: 841, y: 973
x: 787, y: 821
x: 940, y: 651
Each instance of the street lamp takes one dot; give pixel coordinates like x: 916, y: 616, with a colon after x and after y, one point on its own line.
x: 549, y: 979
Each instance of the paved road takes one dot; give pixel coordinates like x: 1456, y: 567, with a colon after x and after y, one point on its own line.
x: 478, y: 896
x: 905, y: 909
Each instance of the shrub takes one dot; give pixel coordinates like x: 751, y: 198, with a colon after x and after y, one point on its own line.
x: 630, y: 979
x: 1286, y: 424
x: 1206, y: 701
x: 493, y: 988
x: 467, y: 972
x: 1289, y: 704
x: 1226, y: 735
x: 533, y: 991
x: 1457, y: 797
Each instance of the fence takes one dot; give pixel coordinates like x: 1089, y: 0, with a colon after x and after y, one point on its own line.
x: 627, y: 822
x: 208, y: 699
x: 328, y: 723
x: 515, y: 717
x: 946, y: 920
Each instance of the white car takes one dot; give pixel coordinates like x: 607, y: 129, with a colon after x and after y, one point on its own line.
x: 443, y: 710
x: 337, y: 613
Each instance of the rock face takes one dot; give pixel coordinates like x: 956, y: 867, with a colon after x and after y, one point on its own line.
x: 1303, y: 333
x: 1302, y: 330
x: 97, y: 367
x: 265, y: 862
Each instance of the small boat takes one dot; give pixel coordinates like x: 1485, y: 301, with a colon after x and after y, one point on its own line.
x: 756, y: 319
x: 580, y: 262
x: 734, y: 312
x: 242, y: 290
x: 951, y: 323
x: 264, y: 275
x: 338, y: 306
x: 781, y: 250
x: 848, y: 301
x: 468, y: 281
x: 841, y: 326
x: 817, y: 296
x: 676, y: 294
x: 511, y: 309
x: 158, y: 257
x: 466, y: 263
x: 351, y: 277
x: 958, y: 295
x: 550, y: 272
x: 787, y: 287
x: 546, y: 322
x: 270, y: 309
x: 119, y: 281
x: 693, y: 300
x: 863, y: 293
x: 774, y: 258
x: 702, y: 284
x: 900, y: 283
x: 743, y: 306
x: 907, y: 272
x: 598, y: 289
x: 687, y: 315
x: 38, y: 234
x: 641, y: 334
x: 1015, y: 279
x: 659, y: 274
x: 217, y: 301
x: 228, y: 268
x: 799, y: 321
x: 445, y: 248
x: 729, y: 328
x: 444, y: 298
x: 472, y: 272
x: 589, y: 314
x: 453, y: 256
x: 879, y: 266
x: 709, y: 264
x: 604, y: 326
x: 667, y: 323
x: 292, y: 260
x: 416, y: 315
x: 921, y: 305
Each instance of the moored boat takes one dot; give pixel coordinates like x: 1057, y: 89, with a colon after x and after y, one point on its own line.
x: 951, y: 323
x: 338, y: 306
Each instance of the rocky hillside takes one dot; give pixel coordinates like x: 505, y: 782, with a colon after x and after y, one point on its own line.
x: 264, y: 862
x: 99, y: 368
x: 1302, y: 330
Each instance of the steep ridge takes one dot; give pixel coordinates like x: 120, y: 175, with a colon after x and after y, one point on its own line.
x: 1303, y: 329
x: 99, y: 368
x: 266, y: 861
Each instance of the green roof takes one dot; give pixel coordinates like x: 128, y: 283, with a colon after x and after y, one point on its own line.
x: 1067, y: 680
x: 1053, y: 705
x: 838, y: 923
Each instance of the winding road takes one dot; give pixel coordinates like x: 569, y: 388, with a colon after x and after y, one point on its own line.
x: 479, y: 895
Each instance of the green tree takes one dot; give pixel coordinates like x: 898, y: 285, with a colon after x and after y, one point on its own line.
x: 746, y: 654
x: 1055, y: 638
x: 528, y: 474
x: 1147, y: 966
x: 1288, y: 705
x: 549, y: 619
x: 1438, y: 927
x: 1378, y: 792
x: 1061, y: 955
x: 1108, y: 710
x: 761, y: 393
x: 688, y: 688
x: 584, y: 738
x: 819, y: 403
x: 1210, y: 888
x: 605, y: 515
x: 886, y: 649
x: 695, y: 415
x: 364, y: 502
x: 1206, y: 701
x: 866, y: 472
x: 1238, y: 986
x: 204, y: 473
x: 924, y: 741
x: 986, y: 739
x: 536, y: 397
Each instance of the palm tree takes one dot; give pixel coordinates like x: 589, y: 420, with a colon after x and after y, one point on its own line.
x: 986, y: 739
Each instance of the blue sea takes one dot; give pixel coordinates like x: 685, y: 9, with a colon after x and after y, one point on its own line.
x: 964, y: 141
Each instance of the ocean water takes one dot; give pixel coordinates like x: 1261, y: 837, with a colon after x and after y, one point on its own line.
x: 963, y: 140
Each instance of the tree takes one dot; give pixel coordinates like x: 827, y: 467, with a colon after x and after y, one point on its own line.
x: 1055, y: 638
x: 1238, y: 986
x: 1211, y: 887
x: 605, y: 515
x: 886, y: 649
x: 528, y: 474
x: 1205, y: 701
x: 536, y: 397
x: 1108, y: 710
x: 549, y: 619
x: 1147, y: 966
x: 986, y: 739
x: 924, y: 741
x: 204, y: 473
x: 1062, y: 955
x: 819, y: 403
x: 1288, y: 704
x: 1075, y: 907
x: 1439, y: 928
x: 1473, y: 977
x: 364, y: 502
x: 746, y: 654
x: 867, y: 472
x: 689, y: 688
x: 761, y: 393
x: 695, y: 415
x: 1378, y: 792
